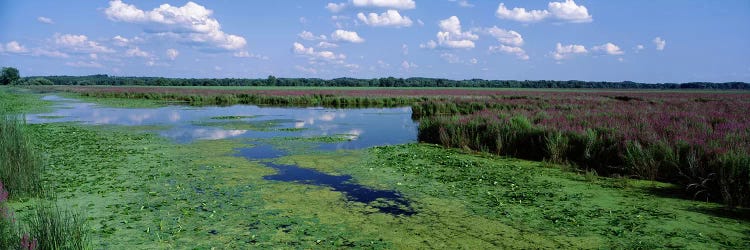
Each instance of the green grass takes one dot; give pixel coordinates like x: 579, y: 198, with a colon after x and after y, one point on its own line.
x: 20, y: 164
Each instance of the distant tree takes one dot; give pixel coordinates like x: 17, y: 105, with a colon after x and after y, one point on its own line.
x: 37, y: 81
x: 271, y: 80
x: 9, y: 75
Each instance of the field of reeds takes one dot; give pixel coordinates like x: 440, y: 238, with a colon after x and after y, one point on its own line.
x: 698, y: 140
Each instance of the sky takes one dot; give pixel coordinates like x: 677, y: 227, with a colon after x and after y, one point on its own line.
x: 634, y: 40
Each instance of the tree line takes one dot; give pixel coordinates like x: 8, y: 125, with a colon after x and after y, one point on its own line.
x: 354, y: 82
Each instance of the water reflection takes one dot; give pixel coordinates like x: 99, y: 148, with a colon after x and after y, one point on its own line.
x: 366, y: 127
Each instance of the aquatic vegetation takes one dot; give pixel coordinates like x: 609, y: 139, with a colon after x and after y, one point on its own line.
x: 667, y: 136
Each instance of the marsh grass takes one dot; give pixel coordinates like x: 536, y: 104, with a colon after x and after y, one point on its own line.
x: 56, y: 228
x: 20, y: 164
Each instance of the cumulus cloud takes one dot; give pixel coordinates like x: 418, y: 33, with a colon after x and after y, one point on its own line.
x: 639, y: 47
x: 13, y: 47
x: 172, y: 54
x: 137, y: 52
x: 508, y: 37
x: 567, y: 11
x: 79, y: 44
x: 120, y: 41
x: 307, y: 35
x: 562, y: 52
x: 327, y: 45
x: 312, y: 54
x: 609, y: 48
x: 406, y: 65
x: 452, y: 36
x: 394, y: 4
x: 517, y: 51
x: 46, y: 20
x: 346, y: 36
x: 335, y: 7
x: 660, y: 43
x: 389, y: 18
x: 191, y: 22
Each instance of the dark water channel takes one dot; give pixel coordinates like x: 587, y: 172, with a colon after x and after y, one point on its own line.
x: 182, y: 124
x: 386, y: 201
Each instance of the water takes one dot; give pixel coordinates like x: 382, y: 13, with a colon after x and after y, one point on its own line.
x: 368, y: 127
x: 365, y: 127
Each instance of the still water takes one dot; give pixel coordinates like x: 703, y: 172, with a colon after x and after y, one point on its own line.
x: 182, y: 124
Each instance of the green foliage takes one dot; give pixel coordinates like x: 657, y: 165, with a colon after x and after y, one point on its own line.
x: 9, y: 75
x: 55, y: 228
x: 734, y: 178
x: 20, y: 164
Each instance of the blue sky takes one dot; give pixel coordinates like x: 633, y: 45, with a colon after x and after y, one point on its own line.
x: 639, y: 40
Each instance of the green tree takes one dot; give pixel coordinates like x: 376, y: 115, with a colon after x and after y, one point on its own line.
x: 9, y: 75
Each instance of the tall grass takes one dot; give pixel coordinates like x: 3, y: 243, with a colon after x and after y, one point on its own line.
x: 8, y: 235
x: 20, y: 164
x: 665, y: 137
x: 55, y: 228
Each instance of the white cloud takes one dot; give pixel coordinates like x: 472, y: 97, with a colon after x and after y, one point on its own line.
x: 660, y: 43
x: 520, y: 14
x: 335, y: 7
x: 327, y: 45
x: 137, y: 52
x: 567, y: 11
x: 347, y: 36
x: 310, y: 52
x: 120, y: 41
x: 463, y: 3
x: 245, y: 54
x: 389, y: 18
x: 93, y: 56
x: 609, y: 48
x: 80, y: 44
x: 307, y: 35
x: 82, y: 64
x: 172, y: 53
x: 561, y: 52
x: 639, y: 47
x: 451, y: 36
x: 517, y: 51
x: 450, y: 58
x: 474, y: 61
x: 46, y: 20
x: 408, y: 65
x: 395, y: 4
x: 192, y: 23
x: 14, y: 47
x: 404, y: 49
x: 508, y: 37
